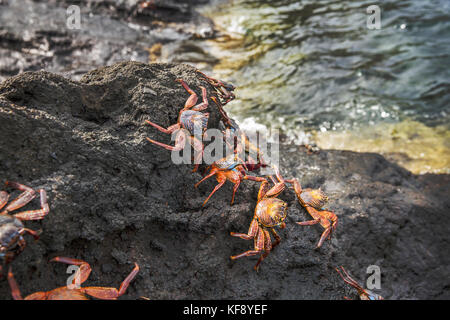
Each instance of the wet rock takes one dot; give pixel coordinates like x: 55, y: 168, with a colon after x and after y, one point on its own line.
x: 109, y: 32
x: 116, y: 199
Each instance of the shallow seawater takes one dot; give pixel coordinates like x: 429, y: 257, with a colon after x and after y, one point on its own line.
x: 316, y: 71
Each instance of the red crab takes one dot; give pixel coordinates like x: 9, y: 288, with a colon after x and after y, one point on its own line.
x: 313, y: 200
x: 269, y: 213
x: 228, y: 168
x: 11, y: 228
x: 65, y: 293
x: 190, y: 127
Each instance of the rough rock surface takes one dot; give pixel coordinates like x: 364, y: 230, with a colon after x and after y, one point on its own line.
x: 116, y: 199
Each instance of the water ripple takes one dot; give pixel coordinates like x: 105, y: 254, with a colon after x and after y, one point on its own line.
x: 318, y: 67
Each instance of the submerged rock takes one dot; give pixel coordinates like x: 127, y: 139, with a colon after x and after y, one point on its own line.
x: 116, y: 199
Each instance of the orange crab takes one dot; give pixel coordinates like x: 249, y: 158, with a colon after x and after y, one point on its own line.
x: 313, y: 200
x: 270, y: 212
x: 65, y: 293
x: 228, y: 168
x: 190, y: 127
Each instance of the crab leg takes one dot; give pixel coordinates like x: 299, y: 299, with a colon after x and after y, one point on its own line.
x: 263, y: 188
x: 222, y: 112
x: 82, y: 273
x: 277, y: 238
x: 265, y: 191
x: 166, y: 146
x: 252, y: 231
x: 297, y: 187
x: 19, y: 186
x: 180, y: 142
x: 322, y: 218
x: 325, y: 234
x: 236, y: 152
x: 221, y: 87
x: 236, y: 186
x: 4, y: 196
x: 212, y: 81
x: 350, y: 281
x: 221, y: 181
x: 169, y: 130
x: 259, y: 244
x: 252, y: 166
x: 202, y: 106
x: 112, y: 293
x: 25, y: 197
x: 275, y: 190
x: 252, y: 178
x: 36, y: 214
x: 331, y: 216
x: 192, y: 100
x: 198, y: 152
x: 35, y: 234
x: 15, y: 291
x: 213, y: 172
x: 327, y: 216
x: 267, y: 248
x: 309, y: 222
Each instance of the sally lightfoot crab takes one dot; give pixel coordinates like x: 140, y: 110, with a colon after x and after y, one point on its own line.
x: 270, y: 212
x: 230, y: 168
x: 77, y: 292
x: 190, y: 126
x: 313, y: 200
x: 12, y: 229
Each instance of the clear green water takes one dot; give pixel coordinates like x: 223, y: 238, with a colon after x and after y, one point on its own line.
x: 314, y: 70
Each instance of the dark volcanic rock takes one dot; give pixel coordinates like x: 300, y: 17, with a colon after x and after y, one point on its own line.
x: 116, y: 199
